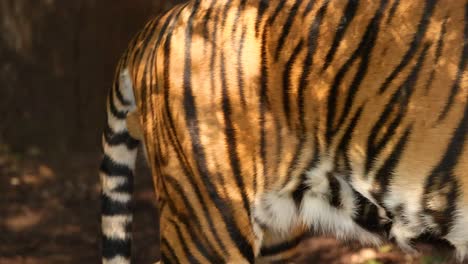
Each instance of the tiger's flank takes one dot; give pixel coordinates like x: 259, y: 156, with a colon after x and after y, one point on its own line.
x: 265, y: 119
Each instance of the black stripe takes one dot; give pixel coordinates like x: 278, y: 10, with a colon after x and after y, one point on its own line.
x: 308, y: 61
x: 303, y: 84
x: 363, y: 50
x: 279, y: 144
x: 120, y: 97
x: 263, y: 102
x: 444, y: 176
x: 214, y: 49
x: 392, y: 11
x: 143, y: 42
x: 111, y: 207
x: 225, y: 12
x: 255, y: 173
x: 287, y: 27
x: 242, y: 243
x: 240, y: 69
x: 367, y: 215
x: 240, y: 9
x: 287, y: 81
x: 277, y: 11
x: 335, y: 191
x: 111, y: 168
x: 116, y: 113
x: 414, y: 45
x: 114, y: 139
x: 343, y: 146
x: 302, y: 187
x: 165, y: 258
x: 346, y: 19
x: 190, y: 220
x: 308, y: 8
x: 385, y: 173
x: 438, y: 54
x: 262, y: 7
x: 231, y: 140
x: 183, y: 242
x: 168, y: 254
x: 174, y: 141
x: 461, y: 70
x: 115, y: 247
x: 283, y: 246
x: 399, y: 104
x: 367, y: 46
x: 207, y: 18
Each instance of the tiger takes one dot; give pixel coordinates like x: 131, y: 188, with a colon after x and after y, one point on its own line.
x: 263, y: 119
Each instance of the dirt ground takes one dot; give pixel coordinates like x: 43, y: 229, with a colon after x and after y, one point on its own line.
x: 49, y: 213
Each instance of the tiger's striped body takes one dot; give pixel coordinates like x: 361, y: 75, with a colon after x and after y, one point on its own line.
x: 261, y: 117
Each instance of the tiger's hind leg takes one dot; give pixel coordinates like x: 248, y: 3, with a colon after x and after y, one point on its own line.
x: 281, y: 247
x: 185, y: 238
x: 200, y: 222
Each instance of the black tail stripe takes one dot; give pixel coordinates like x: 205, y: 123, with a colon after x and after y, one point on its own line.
x: 120, y: 97
x: 115, y: 139
x: 414, y: 45
x: 116, y: 113
x: 111, y: 207
x: 111, y: 168
x: 115, y: 247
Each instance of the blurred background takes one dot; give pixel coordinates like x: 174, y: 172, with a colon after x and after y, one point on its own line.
x: 57, y: 60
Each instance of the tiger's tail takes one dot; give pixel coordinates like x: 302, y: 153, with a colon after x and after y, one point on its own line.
x: 116, y: 172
